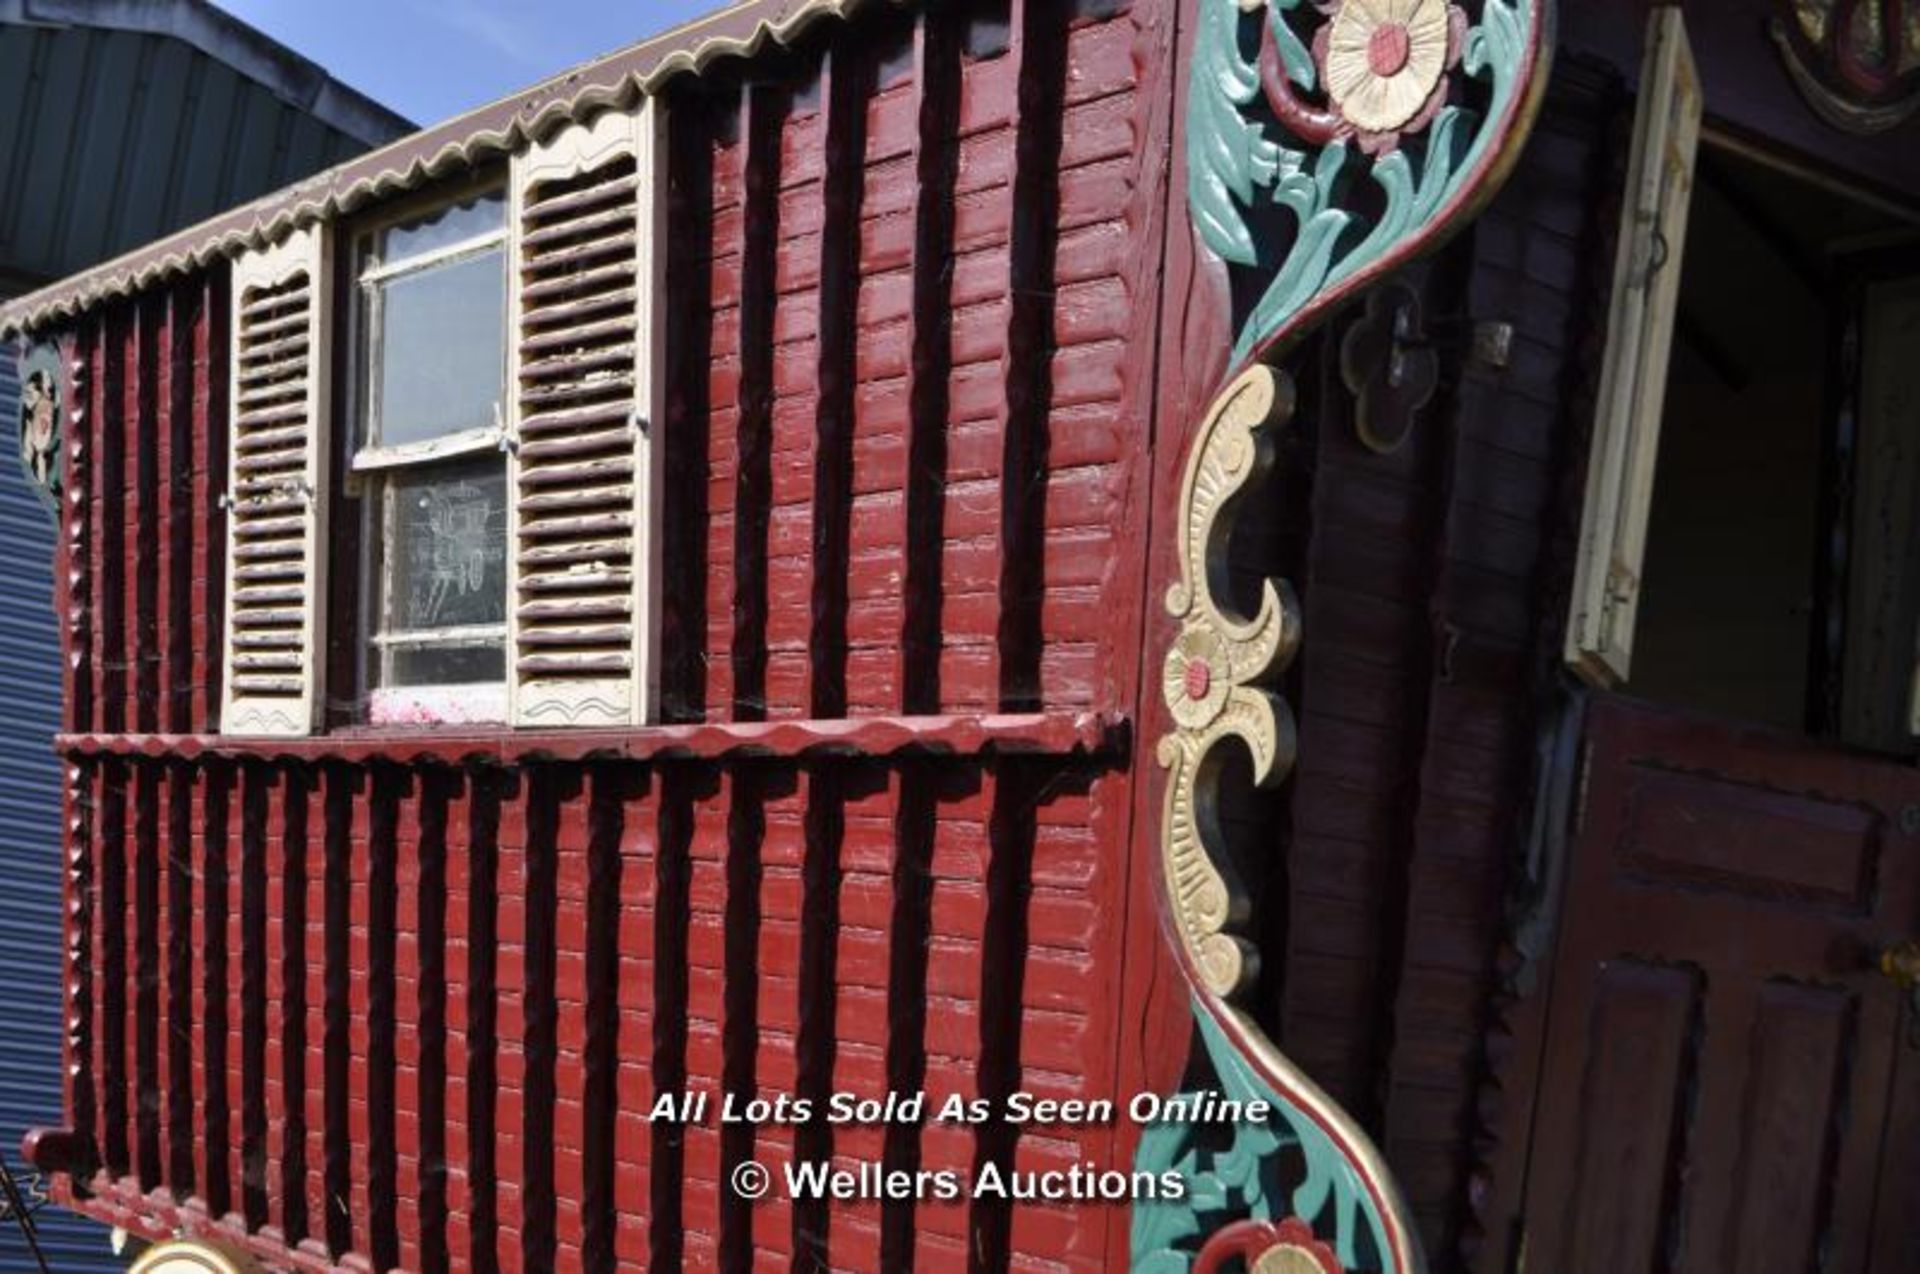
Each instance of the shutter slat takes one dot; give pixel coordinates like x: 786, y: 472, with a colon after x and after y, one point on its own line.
x: 275, y: 571
x: 583, y: 359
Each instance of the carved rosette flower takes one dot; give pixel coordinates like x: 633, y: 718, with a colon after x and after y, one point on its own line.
x: 1296, y: 1251
x: 1196, y: 679
x: 1385, y: 64
x: 1264, y: 1247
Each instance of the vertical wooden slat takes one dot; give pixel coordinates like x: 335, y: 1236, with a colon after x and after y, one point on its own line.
x: 600, y: 908
x: 490, y: 923
x: 759, y: 149
x: 794, y: 416
x: 181, y: 1025
x: 249, y: 1010
x: 815, y: 900
x: 210, y: 1009
x: 267, y: 976
x: 129, y: 397
x: 339, y: 978
x: 510, y: 1022
x: 848, y: 76
x: 74, y: 601
x: 766, y: 861
x: 109, y: 563
x: 360, y: 975
x: 82, y: 982
x: 710, y: 917
x: 391, y: 789
x: 209, y: 522
x: 410, y: 829
x: 742, y: 958
x: 147, y: 383
x: 130, y: 948
x: 547, y: 791
x: 433, y: 1109
x: 954, y: 904
x: 574, y: 839
x: 299, y: 921
x: 148, y: 926
x: 165, y: 371
x: 641, y: 1021
x: 178, y: 509
x: 711, y: 136
x: 694, y: 362
x: 909, y: 949
x: 667, y: 940
x: 460, y: 877
x: 980, y: 295
x: 113, y: 970
x: 76, y: 548
x: 1027, y: 367
x: 936, y: 89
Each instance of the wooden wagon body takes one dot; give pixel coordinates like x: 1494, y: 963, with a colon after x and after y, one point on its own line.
x: 872, y: 747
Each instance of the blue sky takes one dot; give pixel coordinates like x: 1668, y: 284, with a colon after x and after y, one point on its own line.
x: 429, y: 59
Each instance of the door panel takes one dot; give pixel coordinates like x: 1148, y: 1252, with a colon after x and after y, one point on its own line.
x: 1721, y: 1055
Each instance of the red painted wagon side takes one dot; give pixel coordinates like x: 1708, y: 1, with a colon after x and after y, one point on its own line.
x: 384, y: 999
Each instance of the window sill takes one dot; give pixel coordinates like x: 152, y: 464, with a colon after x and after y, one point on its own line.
x: 1029, y: 734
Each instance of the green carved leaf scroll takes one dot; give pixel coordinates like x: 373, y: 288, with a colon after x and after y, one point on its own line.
x: 1228, y: 158
x: 1241, y: 157
x: 1242, y: 1171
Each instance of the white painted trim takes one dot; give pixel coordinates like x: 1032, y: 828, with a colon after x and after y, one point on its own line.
x: 307, y: 251
x: 610, y: 701
x: 384, y: 271
x: 375, y: 459
x: 1626, y: 433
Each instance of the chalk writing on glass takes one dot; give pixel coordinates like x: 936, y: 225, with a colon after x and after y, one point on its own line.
x: 454, y: 548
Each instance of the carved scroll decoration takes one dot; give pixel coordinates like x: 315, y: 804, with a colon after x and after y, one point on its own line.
x: 1429, y: 101
x: 1216, y: 678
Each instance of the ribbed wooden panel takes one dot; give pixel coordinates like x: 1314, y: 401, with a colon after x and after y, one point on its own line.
x: 429, y: 1002
x: 279, y: 427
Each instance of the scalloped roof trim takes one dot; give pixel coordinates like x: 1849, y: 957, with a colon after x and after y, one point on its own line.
x: 614, y: 82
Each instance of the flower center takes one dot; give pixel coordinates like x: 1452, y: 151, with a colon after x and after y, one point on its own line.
x: 1389, y: 49
x: 1199, y: 679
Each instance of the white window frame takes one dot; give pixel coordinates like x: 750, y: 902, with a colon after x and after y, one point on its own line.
x: 375, y: 467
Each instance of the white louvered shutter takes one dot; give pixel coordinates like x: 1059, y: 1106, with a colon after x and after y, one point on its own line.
x: 1646, y: 293
x: 585, y: 372
x: 277, y: 455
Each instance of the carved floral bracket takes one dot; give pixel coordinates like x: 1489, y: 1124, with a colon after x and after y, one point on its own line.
x: 1380, y: 126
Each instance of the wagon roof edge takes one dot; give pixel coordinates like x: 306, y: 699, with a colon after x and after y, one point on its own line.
x: 615, y: 79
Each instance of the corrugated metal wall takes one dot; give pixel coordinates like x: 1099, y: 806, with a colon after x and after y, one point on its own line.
x: 30, y: 825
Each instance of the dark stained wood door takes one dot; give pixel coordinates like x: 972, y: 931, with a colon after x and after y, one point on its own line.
x: 1728, y: 1082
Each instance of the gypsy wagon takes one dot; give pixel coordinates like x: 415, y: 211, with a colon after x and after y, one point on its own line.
x: 1351, y: 556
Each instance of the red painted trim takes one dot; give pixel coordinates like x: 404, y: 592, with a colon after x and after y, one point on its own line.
x: 1028, y: 734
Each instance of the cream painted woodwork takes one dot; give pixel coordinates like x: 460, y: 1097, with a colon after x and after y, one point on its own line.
x: 585, y: 373
x: 1626, y: 433
x: 276, y: 509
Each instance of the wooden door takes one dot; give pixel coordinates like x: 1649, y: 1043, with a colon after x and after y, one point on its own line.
x: 1728, y: 1080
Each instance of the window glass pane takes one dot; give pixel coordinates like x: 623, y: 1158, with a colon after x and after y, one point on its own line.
x: 454, y: 223
x: 449, y: 665
x: 442, y: 349
x: 447, y: 563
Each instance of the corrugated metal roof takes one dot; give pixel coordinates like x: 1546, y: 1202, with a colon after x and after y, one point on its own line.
x: 615, y: 80
x: 122, y: 119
